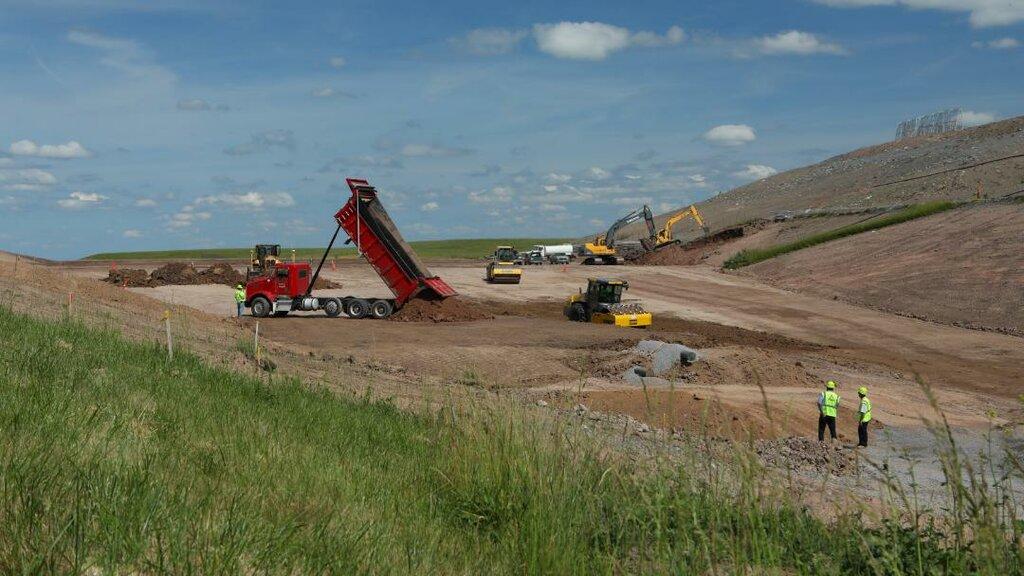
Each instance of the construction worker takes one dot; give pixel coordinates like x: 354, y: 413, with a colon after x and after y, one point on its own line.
x: 240, y: 300
x: 828, y: 405
x: 864, y: 416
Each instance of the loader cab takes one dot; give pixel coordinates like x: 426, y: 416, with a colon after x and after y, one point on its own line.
x: 604, y: 291
x: 264, y: 254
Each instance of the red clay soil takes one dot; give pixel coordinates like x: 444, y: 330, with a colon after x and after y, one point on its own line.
x: 690, y: 253
x: 453, y: 309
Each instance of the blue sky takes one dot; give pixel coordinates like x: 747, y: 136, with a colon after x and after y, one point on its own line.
x: 179, y: 123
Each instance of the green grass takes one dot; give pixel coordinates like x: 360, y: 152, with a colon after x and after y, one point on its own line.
x: 755, y: 255
x: 434, y: 249
x: 115, y: 460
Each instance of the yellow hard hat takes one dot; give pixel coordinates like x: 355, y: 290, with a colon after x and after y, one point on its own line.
x: 239, y: 286
x: 831, y: 385
x: 863, y: 391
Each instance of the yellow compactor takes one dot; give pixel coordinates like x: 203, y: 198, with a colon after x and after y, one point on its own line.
x: 502, y: 268
x: 602, y: 304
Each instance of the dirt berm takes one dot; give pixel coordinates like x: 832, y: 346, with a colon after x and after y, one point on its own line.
x: 185, y: 274
x: 690, y: 253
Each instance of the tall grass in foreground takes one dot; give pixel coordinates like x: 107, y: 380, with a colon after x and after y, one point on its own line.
x: 755, y: 255
x: 114, y: 460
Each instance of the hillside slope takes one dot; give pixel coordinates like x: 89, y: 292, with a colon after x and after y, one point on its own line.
x: 962, y: 267
x: 905, y: 172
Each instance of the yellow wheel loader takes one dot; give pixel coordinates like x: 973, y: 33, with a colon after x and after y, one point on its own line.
x: 602, y: 304
x: 502, y: 268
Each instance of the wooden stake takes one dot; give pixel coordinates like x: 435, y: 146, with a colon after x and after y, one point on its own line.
x: 170, y: 343
x: 256, y: 345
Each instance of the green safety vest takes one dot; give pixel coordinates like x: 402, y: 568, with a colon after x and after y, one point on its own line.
x: 865, y: 406
x: 239, y: 295
x: 828, y: 407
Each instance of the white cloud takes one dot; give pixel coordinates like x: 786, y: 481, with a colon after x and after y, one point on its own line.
x: 254, y: 200
x: 496, y: 195
x: 756, y: 172
x: 432, y: 151
x: 336, y: 61
x: 797, y: 42
x: 730, y: 135
x: 998, y: 44
x: 186, y: 218
x: 80, y: 200
x: 596, y: 40
x: 698, y: 179
x: 60, y: 151
x: 262, y: 142
x: 489, y: 41
x: 597, y: 173
x: 970, y: 118
x: 193, y: 105
x: 328, y: 92
x: 983, y: 13
x: 131, y: 233
x: 125, y: 56
x: 556, y: 177
x: 145, y: 203
x: 26, y: 179
x: 429, y: 207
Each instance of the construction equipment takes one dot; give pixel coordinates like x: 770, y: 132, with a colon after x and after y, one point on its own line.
x: 664, y: 236
x: 602, y: 303
x: 502, y: 268
x: 262, y: 256
x: 286, y: 287
x: 603, y: 247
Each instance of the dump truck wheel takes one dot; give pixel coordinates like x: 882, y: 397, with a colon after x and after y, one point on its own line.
x: 380, y: 309
x: 358, y: 308
x: 332, y: 307
x: 261, y: 307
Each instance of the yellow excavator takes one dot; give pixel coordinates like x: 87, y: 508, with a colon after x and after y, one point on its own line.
x: 603, y: 249
x: 664, y: 237
x: 602, y: 304
x: 502, y: 268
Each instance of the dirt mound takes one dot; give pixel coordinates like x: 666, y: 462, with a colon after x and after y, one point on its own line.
x: 689, y: 253
x: 178, y: 274
x: 798, y: 453
x: 174, y: 273
x: 221, y: 273
x: 131, y: 277
x: 453, y: 309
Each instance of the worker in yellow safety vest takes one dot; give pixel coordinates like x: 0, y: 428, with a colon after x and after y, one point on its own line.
x: 828, y: 405
x: 864, y: 416
x: 240, y: 300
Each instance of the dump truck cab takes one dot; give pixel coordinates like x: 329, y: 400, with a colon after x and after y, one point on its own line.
x: 502, y: 268
x: 283, y: 287
x: 602, y: 304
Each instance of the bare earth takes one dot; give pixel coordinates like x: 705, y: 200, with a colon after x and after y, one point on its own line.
x: 765, y: 351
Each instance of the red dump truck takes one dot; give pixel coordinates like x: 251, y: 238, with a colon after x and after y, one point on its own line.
x: 284, y: 287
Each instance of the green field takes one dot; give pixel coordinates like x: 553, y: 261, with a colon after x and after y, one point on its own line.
x: 432, y: 249
x: 755, y: 255
x: 115, y: 460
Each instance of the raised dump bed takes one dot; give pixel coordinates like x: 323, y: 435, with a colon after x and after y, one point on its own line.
x: 375, y: 235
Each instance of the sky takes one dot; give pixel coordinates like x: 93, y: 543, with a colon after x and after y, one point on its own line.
x: 177, y: 123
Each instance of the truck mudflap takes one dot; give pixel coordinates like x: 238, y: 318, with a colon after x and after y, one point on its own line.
x: 368, y: 225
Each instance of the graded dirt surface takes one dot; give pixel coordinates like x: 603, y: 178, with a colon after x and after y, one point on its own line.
x: 963, y: 266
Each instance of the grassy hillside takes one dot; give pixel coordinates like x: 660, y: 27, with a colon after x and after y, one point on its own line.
x: 755, y: 255
x: 433, y: 249
x: 115, y: 460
